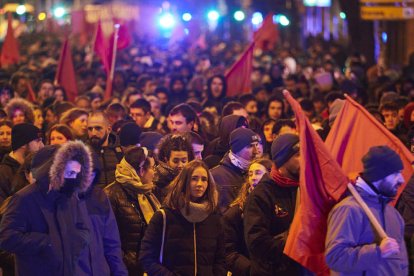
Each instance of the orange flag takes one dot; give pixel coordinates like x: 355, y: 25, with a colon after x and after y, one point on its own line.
x: 65, y: 74
x: 101, y: 48
x: 238, y: 77
x: 354, y: 131
x: 322, y: 184
x: 268, y: 35
x: 10, y: 51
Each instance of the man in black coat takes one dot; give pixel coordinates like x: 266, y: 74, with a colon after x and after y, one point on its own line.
x: 26, y: 138
x: 269, y: 211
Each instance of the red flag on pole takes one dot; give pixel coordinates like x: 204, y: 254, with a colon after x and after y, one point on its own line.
x: 31, y: 96
x: 124, y: 38
x: 354, y: 131
x: 238, y: 77
x: 65, y: 74
x: 10, y: 50
x: 110, y: 76
x: 267, y: 35
x: 101, y: 48
x: 322, y: 184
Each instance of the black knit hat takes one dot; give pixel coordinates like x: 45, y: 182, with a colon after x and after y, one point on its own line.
x: 150, y: 139
x: 242, y: 137
x: 283, y: 148
x: 23, y: 134
x: 129, y: 134
x: 42, y: 161
x: 380, y: 162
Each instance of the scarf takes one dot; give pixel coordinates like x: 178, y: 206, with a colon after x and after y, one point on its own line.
x: 238, y: 161
x: 127, y: 175
x: 197, y: 212
x: 281, y: 180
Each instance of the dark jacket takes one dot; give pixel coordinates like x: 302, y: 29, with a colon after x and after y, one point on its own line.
x: 52, y: 233
x: 352, y: 244
x: 237, y: 256
x: 229, y: 180
x: 180, y: 248
x: 131, y: 222
x: 8, y: 169
x: 108, y: 157
x: 266, y: 229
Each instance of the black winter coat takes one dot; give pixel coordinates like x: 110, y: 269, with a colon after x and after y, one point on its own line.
x: 180, y: 248
x: 237, y: 256
x: 229, y: 180
x: 268, y: 214
x: 131, y: 223
x: 8, y: 169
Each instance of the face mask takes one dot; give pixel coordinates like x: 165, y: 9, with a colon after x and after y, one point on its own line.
x: 70, y: 185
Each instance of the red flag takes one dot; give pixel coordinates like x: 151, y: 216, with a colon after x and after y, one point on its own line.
x: 31, y: 96
x: 354, y: 131
x: 10, y: 51
x: 108, y: 88
x: 101, y: 48
x: 322, y: 184
x: 268, y: 35
x: 65, y: 74
x: 238, y: 77
x: 124, y: 38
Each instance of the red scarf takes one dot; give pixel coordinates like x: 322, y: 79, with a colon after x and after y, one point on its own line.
x: 281, y: 180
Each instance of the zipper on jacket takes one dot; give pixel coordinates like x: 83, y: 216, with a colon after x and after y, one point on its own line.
x: 195, y: 249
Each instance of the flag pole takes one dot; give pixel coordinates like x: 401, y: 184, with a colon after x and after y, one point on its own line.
x: 110, y: 78
x: 367, y: 211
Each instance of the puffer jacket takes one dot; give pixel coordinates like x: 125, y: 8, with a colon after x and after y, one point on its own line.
x: 162, y: 178
x: 189, y: 248
x: 8, y: 169
x: 131, y: 222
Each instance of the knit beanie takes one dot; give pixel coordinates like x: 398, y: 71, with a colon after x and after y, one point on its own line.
x: 23, y: 134
x: 42, y: 161
x: 241, y: 138
x: 129, y: 134
x: 283, y: 148
x: 150, y: 139
x: 380, y: 162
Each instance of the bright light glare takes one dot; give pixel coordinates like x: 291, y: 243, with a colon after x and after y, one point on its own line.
x: 21, y: 9
x: 59, y: 12
x: 283, y: 20
x: 257, y: 18
x: 342, y: 15
x: 239, y: 15
x: 213, y: 15
x: 41, y: 16
x: 167, y: 21
x: 187, y: 16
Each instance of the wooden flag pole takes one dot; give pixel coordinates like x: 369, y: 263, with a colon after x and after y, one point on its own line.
x: 368, y: 212
x: 114, y: 50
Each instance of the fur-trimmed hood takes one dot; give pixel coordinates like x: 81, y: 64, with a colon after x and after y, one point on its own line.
x: 23, y: 105
x: 67, y: 152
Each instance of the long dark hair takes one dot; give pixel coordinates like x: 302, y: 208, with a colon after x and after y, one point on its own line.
x: 180, y: 191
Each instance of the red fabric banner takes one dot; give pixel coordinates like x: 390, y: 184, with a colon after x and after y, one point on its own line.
x: 101, y: 48
x: 10, y: 50
x: 354, y: 131
x: 322, y: 184
x: 267, y: 35
x: 238, y: 77
x: 65, y: 74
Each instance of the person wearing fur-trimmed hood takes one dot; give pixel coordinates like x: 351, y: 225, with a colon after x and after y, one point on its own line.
x: 47, y: 225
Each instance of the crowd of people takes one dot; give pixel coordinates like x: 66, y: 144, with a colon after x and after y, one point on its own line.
x: 169, y: 176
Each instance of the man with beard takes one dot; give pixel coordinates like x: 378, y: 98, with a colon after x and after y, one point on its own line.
x: 229, y: 174
x: 353, y: 246
x: 26, y: 139
x: 269, y: 211
x: 105, y: 145
x: 174, y: 152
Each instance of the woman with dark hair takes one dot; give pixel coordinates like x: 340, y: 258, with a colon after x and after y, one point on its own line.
x: 133, y: 202
x: 59, y: 134
x: 192, y: 243
x: 216, y: 92
x: 59, y: 94
x: 275, y: 108
x: 178, y: 91
x: 237, y: 256
x: 38, y: 117
x: 96, y: 99
x: 5, y: 137
x: 77, y: 120
x: 267, y: 134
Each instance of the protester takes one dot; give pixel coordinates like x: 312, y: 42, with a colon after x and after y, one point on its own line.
x: 19, y: 111
x: 77, y: 120
x: 59, y: 134
x: 269, y: 211
x: 193, y: 239
x: 352, y: 243
x: 5, y: 138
